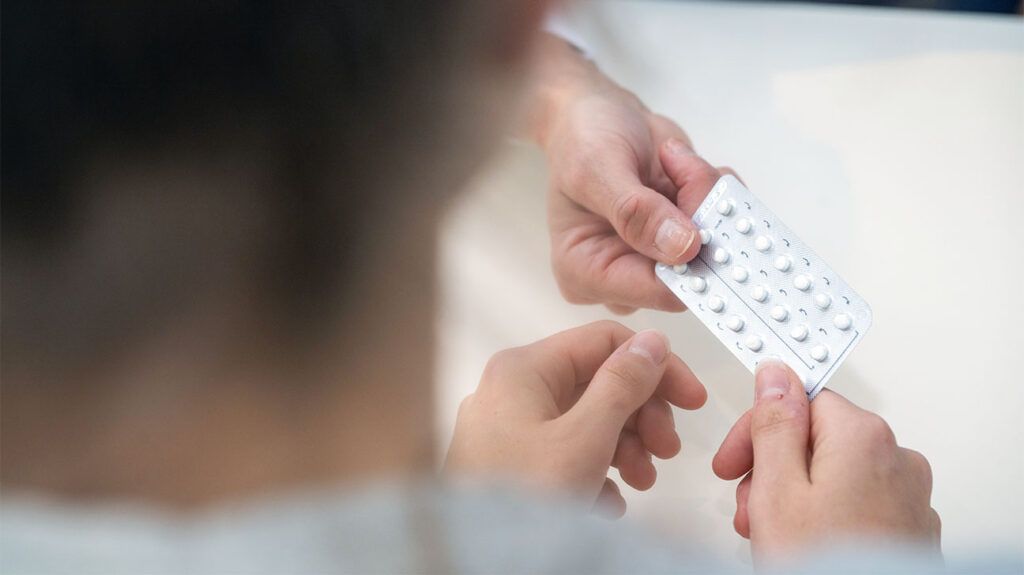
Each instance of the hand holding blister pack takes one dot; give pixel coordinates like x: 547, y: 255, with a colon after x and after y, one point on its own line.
x: 763, y: 292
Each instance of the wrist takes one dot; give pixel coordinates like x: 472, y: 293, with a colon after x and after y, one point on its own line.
x: 564, y: 75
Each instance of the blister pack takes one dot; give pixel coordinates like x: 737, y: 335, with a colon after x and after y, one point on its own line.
x: 763, y: 292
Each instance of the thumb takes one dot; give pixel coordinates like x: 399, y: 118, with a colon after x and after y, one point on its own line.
x: 779, y: 426
x: 690, y: 173
x: 626, y: 380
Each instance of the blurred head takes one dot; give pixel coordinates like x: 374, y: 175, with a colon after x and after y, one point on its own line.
x: 158, y: 157
x: 203, y: 202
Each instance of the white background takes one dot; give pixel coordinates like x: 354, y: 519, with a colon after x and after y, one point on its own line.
x: 892, y: 142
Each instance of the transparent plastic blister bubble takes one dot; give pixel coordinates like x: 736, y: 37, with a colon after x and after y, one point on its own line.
x: 763, y: 292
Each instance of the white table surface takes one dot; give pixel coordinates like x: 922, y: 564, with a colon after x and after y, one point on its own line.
x: 893, y: 143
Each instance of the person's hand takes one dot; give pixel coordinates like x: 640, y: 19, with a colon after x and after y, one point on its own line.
x: 824, y: 472
x: 625, y: 183
x: 558, y: 413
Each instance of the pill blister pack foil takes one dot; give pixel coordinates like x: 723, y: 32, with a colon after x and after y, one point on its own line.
x: 763, y: 292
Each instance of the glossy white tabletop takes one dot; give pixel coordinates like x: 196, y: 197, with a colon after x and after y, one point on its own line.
x: 892, y: 142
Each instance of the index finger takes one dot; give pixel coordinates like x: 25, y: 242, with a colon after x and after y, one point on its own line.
x: 570, y: 358
x: 645, y: 219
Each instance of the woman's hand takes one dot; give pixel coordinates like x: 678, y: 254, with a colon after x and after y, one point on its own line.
x: 821, y: 473
x: 558, y: 413
x: 624, y: 185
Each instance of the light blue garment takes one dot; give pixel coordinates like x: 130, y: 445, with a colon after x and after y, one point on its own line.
x: 423, y: 529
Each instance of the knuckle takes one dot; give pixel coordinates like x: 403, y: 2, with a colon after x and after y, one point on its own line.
x: 570, y: 295
x: 501, y: 363
x: 569, y: 284
x: 569, y: 278
x: 619, y: 309
x: 921, y: 464
x: 630, y: 213
x: 611, y: 326
x: 877, y: 431
x: 465, y: 406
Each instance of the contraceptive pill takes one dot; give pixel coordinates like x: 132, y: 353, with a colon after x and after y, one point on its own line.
x: 819, y: 353
x: 754, y: 342
x: 763, y: 292
x: 724, y: 207
x: 759, y: 293
x: 740, y: 273
x: 716, y: 303
x: 698, y: 284
x: 822, y: 300
x: 735, y: 323
x: 842, y: 321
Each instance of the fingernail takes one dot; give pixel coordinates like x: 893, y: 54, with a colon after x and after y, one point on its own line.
x: 677, y: 147
x: 650, y: 344
x: 771, y: 379
x: 673, y: 239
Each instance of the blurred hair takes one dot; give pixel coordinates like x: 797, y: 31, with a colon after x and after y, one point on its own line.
x: 315, y: 86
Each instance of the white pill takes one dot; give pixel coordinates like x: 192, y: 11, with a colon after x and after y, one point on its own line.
x: 734, y: 323
x: 779, y: 313
x: 680, y: 269
x: 721, y: 255
x: 802, y: 282
x: 799, y: 332
x: 843, y: 321
x: 760, y: 293
x: 822, y: 300
x: 782, y: 263
x: 744, y: 225
x: 698, y: 284
x: 705, y: 237
x: 763, y: 243
x: 724, y: 207
x: 753, y: 343
x: 716, y: 303
x: 740, y: 273
x: 819, y: 353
